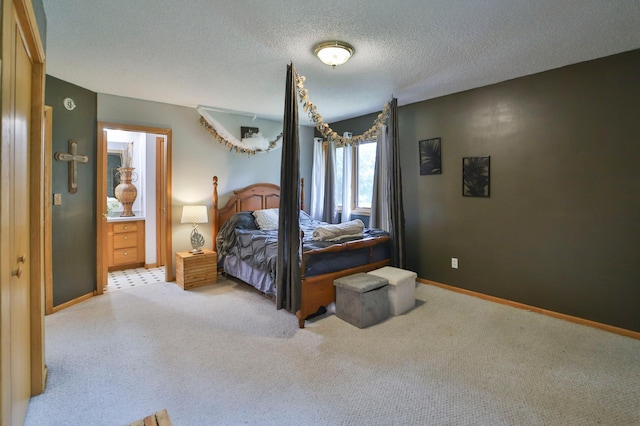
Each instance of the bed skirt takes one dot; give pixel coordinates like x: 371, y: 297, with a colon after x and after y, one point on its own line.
x: 259, y: 279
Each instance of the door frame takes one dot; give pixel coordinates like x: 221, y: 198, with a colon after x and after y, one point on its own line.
x: 161, y: 258
x: 101, y: 194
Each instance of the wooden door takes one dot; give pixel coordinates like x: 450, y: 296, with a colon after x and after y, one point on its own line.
x: 20, y: 306
x: 15, y: 243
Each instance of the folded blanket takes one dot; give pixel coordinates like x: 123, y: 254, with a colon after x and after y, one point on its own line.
x: 339, y: 231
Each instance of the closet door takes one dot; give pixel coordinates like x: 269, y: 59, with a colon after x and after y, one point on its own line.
x: 14, y: 246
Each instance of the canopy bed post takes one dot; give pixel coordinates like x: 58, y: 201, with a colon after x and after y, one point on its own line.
x: 301, y: 193
x: 214, y: 213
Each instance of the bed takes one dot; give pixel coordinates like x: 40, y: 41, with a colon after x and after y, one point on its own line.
x: 248, y: 253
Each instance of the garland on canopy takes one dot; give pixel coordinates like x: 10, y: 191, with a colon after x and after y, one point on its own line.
x: 233, y: 144
x: 327, y: 131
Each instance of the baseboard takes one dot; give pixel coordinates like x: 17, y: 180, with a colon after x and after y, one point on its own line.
x: 72, y: 302
x: 577, y: 320
x: 150, y: 265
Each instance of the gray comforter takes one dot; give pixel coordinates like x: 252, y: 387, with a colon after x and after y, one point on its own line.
x: 240, y: 237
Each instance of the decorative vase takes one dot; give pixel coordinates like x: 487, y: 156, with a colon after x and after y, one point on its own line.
x: 126, y: 192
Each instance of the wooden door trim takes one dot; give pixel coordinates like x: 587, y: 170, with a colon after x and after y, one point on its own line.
x: 48, y: 211
x: 101, y: 211
x: 168, y: 234
x: 29, y: 25
x: 160, y: 207
x: 36, y: 218
x: 101, y: 208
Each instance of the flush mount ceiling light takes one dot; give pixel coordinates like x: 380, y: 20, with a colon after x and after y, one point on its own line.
x: 333, y: 53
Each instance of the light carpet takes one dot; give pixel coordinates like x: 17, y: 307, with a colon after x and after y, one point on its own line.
x: 223, y: 355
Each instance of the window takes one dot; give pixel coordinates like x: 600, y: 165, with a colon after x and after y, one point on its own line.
x: 365, y: 168
x: 364, y: 159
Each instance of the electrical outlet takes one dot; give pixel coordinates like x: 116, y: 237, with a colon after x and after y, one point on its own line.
x: 454, y: 262
x: 57, y: 199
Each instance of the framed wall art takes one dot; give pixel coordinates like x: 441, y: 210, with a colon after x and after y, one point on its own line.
x: 476, y: 176
x: 247, y: 132
x: 430, y: 156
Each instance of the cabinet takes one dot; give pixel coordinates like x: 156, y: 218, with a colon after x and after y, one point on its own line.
x: 195, y: 270
x: 125, y: 244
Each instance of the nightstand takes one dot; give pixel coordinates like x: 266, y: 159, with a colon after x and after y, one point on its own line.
x: 196, y: 270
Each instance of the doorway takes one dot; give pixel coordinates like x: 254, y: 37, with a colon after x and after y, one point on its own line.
x: 159, y: 206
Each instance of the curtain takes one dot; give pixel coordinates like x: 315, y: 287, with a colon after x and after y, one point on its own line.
x: 316, y: 209
x: 395, y: 189
x: 347, y: 170
x: 380, y: 200
x: 288, y: 276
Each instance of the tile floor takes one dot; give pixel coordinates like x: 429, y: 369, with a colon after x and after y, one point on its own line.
x: 134, y: 277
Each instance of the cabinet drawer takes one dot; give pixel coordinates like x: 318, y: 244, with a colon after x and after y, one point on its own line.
x: 124, y: 240
x: 125, y: 255
x: 124, y: 227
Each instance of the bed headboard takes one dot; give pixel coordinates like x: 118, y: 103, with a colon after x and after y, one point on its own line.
x: 253, y: 197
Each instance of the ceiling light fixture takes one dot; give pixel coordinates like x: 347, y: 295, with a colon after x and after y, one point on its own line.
x: 333, y: 53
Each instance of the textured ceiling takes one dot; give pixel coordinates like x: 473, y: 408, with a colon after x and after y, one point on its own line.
x: 232, y: 55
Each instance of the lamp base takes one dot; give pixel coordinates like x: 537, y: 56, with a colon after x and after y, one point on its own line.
x: 197, y: 241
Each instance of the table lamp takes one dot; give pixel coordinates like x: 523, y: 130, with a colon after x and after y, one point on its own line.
x: 195, y: 215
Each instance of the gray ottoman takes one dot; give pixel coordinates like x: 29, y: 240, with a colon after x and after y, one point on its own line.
x: 362, y: 299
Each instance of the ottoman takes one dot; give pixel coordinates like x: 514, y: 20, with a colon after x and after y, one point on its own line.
x: 402, y: 288
x: 362, y: 299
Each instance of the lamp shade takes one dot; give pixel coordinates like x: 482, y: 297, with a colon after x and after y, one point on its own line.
x: 194, y: 214
x: 333, y: 53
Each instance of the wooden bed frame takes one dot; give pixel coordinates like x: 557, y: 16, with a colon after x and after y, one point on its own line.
x: 317, y: 291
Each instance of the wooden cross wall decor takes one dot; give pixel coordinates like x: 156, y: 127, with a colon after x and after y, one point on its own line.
x: 72, y: 157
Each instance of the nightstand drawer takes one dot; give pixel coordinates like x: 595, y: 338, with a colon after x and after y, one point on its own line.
x: 125, y: 255
x: 124, y: 240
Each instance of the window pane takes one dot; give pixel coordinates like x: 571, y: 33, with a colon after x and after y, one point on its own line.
x: 339, y: 163
x: 366, y: 168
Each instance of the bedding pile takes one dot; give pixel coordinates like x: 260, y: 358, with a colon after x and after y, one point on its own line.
x: 339, y: 231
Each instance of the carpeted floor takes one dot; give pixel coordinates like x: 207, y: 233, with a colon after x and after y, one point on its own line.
x: 223, y: 355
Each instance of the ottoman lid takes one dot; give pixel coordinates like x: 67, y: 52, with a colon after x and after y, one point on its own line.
x: 361, y: 282
x: 394, y: 275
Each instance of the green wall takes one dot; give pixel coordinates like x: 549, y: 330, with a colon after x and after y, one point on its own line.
x: 561, y: 229
x: 74, y: 221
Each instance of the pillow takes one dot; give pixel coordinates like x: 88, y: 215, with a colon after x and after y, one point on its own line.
x: 266, y: 219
